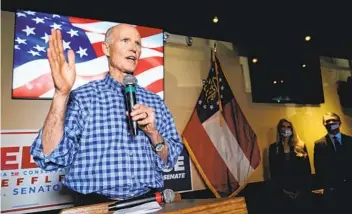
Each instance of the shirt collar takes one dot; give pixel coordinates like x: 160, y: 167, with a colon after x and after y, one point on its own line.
x: 338, y: 136
x: 112, y: 83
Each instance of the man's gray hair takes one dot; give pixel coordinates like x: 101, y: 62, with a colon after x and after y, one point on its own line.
x: 108, y: 33
x: 108, y: 39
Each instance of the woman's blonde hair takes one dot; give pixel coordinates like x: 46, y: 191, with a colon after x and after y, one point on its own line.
x: 295, y: 143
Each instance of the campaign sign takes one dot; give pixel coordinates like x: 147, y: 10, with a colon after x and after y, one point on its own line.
x: 179, y: 178
x: 25, y: 188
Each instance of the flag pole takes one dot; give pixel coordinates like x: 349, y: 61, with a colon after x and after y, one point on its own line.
x: 217, y: 80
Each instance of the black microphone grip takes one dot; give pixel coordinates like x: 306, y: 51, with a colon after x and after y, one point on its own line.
x: 129, y: 204
x: 130, y: 94
x: 167, y: 196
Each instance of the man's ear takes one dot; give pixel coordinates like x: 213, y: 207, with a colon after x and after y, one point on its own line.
x: 105, y: 48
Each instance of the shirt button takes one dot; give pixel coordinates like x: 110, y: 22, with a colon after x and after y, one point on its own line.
x: 131, y: 154
x: 132, y: 176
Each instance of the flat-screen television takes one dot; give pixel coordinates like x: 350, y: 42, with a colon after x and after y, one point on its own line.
x: 31, y: 72
x: 286, y: 79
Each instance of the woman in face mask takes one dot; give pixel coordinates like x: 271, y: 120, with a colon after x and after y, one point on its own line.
x: 290, y: 169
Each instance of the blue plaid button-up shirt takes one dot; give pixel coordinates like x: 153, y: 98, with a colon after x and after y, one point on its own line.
x: 96, y: 150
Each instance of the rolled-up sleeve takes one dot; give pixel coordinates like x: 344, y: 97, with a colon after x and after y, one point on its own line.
x: 175, y: 146
x: 63, y: 155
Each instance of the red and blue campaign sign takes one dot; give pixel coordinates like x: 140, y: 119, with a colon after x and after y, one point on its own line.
x: 25, y: 188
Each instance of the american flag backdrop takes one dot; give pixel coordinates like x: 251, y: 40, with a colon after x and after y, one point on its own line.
x: 31, y: 70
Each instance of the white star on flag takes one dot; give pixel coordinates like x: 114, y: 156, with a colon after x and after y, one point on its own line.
x: 21, y: 41
x: 55, y: 26
x: 38, y: 20
x: 82, y: 52
x: 30, y: 12
x: 39, y: 48
x: 29, y: 30
x: 66, y: 45
x: 34, y: 53
x: 45, y: 37
x: 20, y: 14
x: 73, y: 32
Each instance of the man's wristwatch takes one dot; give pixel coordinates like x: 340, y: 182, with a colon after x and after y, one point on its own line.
x: 159, y: 146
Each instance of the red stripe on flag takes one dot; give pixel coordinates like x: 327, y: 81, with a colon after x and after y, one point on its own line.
x: 76, y: 20
x: 44, y: 83
x: 35, y: 88
x: 147, y: 31
x: 156, y: 86
x: 148, y: 63
x: 208, y: 157
x: 160, y: 49
x: 98, y: 49
x: 242, y: 131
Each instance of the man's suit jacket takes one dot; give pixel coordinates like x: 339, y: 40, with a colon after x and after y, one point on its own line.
x: 333, y: 169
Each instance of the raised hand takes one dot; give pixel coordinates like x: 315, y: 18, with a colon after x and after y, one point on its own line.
x: 62, y: 71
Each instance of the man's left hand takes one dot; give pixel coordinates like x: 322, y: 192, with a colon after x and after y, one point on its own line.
x: 145, y: 117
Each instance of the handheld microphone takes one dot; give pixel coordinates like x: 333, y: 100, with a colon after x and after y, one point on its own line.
x: 166, y: 196
x: 129, y: 82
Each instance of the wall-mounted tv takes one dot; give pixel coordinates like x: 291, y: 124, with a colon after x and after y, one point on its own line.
x: 31, y: 72
x: 287, y: 79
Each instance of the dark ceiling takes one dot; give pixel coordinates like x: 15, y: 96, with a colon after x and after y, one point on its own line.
x: 256, y: 28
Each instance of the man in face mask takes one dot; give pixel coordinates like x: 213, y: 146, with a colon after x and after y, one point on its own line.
x: 332, y: 124
x: 333, y: 163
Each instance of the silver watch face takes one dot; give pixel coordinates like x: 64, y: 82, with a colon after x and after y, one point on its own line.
x: 159, y: 147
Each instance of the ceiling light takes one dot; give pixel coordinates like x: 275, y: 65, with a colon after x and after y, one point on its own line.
x: 304, y: 65
x: 254, y: 60
x: 215, y: 19
x: 274, y: 81
x: 307, y: 38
